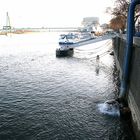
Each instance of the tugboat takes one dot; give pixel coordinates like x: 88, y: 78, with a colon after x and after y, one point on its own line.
x: 64, y: 51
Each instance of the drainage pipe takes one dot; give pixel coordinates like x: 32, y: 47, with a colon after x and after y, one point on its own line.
x: 129, y: 45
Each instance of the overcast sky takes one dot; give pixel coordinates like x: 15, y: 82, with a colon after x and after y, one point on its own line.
x: 46, y: 13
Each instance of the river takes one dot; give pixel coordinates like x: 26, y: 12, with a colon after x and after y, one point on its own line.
x: 47, y: 98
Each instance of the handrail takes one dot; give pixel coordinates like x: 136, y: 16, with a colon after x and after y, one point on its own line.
x: 128, y: 52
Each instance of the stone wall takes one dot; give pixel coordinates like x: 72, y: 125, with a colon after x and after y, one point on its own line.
x: 119, y: 44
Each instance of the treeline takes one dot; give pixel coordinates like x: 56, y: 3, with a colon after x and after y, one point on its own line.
x: 119, y: 15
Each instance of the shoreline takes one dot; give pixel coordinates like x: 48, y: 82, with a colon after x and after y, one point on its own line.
x: 4, y: 32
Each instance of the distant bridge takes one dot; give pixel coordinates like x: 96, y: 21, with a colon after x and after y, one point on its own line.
x: 43, y: 29
x: 74, y: 29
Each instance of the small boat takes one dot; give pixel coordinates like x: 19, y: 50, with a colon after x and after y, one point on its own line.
x: 68, y: 39
x: 72, y: 38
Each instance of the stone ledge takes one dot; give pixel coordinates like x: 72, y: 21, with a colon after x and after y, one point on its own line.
x: 135, y: 114
x: 136, y: 41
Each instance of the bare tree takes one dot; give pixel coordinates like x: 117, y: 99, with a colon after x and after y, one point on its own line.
x: 118, y: 23
x: 119, y: 13
x: 120, y: 9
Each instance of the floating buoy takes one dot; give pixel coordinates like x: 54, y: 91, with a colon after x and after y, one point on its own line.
x: 97, y: 58
x: 112, y: 53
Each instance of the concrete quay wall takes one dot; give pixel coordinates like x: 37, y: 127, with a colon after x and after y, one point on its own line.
x: 133, y: 94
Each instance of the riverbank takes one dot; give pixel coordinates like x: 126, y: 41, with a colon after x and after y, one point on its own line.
x: 5, y: 32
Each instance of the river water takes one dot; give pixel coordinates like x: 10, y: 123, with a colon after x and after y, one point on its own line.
x: 47, y: 98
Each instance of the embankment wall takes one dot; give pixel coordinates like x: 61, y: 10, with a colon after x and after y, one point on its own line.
x: 133, y: 95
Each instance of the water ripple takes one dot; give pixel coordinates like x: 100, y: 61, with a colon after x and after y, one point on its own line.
x: 46, y: 98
